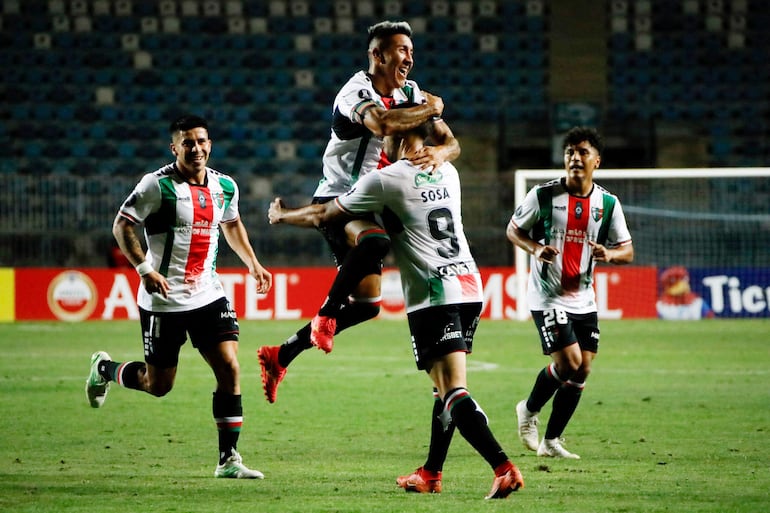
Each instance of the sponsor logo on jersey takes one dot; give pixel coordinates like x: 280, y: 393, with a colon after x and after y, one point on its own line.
x: 202, y: 199
x: 458, y: 268
x: 427, y: 178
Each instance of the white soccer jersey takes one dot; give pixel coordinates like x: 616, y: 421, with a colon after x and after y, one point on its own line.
x: 181, y: 226
x: 554, y: 217
x: 353, y: 150
x: 421, y: 213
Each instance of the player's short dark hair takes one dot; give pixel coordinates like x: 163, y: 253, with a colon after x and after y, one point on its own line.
x: 424, y: 130
x: 385, y: 29
x: 187, y: 122
x: 578, y: 134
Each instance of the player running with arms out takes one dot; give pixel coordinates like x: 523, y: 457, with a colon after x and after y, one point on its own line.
x: 362, y: 117
x: 567, y: 225
x: 182, y: 206
x: 443, y: 292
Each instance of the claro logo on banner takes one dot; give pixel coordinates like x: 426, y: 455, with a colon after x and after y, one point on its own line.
x: 92, y: 294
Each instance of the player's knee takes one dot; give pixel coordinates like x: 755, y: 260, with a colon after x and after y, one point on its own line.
x: 582, y: 374
x: 377, y: 246
x: 567, y: 370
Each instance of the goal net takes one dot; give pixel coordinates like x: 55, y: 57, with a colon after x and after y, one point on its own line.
x: 702, y: 234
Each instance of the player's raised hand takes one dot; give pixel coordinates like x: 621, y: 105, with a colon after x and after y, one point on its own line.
x: 434, y: 101
x: 275, y: 211
x: 428, y: 158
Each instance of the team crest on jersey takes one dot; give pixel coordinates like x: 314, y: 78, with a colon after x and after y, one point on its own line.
x: 219, y: 199
x: 427, y: 178
x: 578, y: 210
x: 597, y: 213
x: 201, y: 199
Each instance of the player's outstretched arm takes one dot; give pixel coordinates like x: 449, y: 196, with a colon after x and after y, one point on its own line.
x: 309, y: 216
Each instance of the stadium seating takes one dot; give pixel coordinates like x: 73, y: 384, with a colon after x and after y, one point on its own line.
x: 88, y: 87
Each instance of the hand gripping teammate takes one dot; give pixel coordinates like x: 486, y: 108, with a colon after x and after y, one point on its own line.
x: 182, y: 206
x: 442, y: 286
x: 567, y: 225
x: 362, y: 116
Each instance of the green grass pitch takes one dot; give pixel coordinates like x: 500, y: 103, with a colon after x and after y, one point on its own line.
x: 675, y: 418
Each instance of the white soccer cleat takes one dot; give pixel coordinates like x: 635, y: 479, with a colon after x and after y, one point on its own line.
x: 553, y: 448
x: 234, y: 468
x: 527, y: 426
x: 96, y: 386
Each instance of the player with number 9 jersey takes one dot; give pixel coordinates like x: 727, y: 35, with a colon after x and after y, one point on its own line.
x: 421, y: 212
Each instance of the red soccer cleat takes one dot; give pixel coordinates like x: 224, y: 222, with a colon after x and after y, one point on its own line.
x: 272, y: 371
x: 322, y: 330
x: 507, y: 480
x: 421, y: 481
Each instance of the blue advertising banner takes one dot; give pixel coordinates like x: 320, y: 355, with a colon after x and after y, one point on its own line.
x: 698, y: 293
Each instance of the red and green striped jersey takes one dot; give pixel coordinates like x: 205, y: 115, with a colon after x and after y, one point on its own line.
x: 181, y: 227
x: 353, y: 150
x: 556, y: 218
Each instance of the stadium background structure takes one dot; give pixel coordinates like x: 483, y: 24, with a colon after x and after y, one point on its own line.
x: 89, y: 86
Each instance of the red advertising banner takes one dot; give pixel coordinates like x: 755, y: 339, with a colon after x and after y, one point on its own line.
x: 96, y: 293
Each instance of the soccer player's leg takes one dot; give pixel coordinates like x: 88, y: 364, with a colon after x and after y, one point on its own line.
x: 363, y: 261
x: 567, y: 398
x: 441, y: 344
x: 427, y: 478
x: 155, y: 375
x: 555, y: 332
x: 214, y: 332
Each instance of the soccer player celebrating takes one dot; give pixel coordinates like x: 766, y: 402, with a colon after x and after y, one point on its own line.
x: 362, y: 116
x: 182, y: 206
x: 566, y: 225
x: 442, y: 287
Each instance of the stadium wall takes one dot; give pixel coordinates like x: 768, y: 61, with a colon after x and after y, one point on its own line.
x: 630, y: 292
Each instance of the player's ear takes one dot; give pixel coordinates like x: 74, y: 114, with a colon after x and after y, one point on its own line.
x: 378, y: 56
